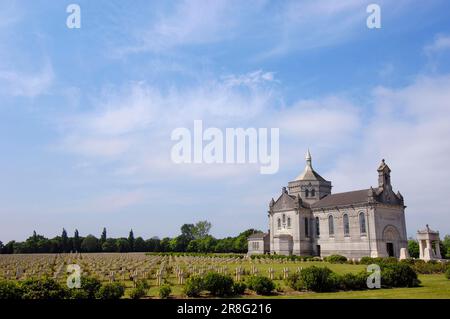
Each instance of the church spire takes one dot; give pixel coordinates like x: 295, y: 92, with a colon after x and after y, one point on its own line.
x: 308, y: 158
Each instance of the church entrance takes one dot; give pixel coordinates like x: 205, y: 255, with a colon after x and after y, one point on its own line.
x: 391, y: 238
x: 318, y: 250
x: 390, y: 249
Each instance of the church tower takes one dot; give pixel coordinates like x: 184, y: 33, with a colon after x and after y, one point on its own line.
x: 309, y: 185
x: 384, y: 176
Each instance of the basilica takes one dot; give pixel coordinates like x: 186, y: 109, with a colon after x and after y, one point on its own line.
x: 308, y: 219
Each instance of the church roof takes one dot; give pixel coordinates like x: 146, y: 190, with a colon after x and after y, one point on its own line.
x: 342, y: 199
x: 309, y: 174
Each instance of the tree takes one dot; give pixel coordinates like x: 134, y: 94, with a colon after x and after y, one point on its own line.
x: 446, y: 244
x: 1, y: 247
x: 109, y: 245
x: 164, y: 244
x: 122, y: 245
x: 152, y: 244
x: 413, y: 248
x: 76, y: 241
x: 131, y: 240
x: 202, y: 229
x: 103, y: 236
x: 90, y: 244
x: 64, y: 241
x: 188, y: 231
x: 139, y: 245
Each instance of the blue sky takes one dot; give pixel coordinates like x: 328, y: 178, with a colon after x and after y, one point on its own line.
x: 86, y: 114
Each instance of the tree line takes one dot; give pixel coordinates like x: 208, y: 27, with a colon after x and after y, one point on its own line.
x: 193, y: 238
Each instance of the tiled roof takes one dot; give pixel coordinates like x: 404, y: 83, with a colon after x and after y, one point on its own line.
x: 342, y: 199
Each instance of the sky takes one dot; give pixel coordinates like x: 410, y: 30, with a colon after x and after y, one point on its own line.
x: 86, y: 114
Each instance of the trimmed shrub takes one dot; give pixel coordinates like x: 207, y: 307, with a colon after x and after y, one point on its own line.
x: 261, y: 285
x: 336, y: 259
x: 379, y: 260
x: 165, y: 291
x: 140, y: 290
x: 45, y: 288
x: 10, y: 290
x: 398, y: 275
x: 193, y: 286
x: 430, y: 267
x: 239, y: 288
x: 447, y: 273
x: 351, y: 281
x: 293, y: 281
x: 317, y: 279
x: 113, y: 290
x: 78, y: 294
x: 90, y: 286
x: 218, y: 284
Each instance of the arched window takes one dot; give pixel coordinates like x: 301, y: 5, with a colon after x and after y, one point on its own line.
x: 289, y: 222
x: 306, y: 227
x: 362, y: 223
x: 330, y: 225
x: 279, y: 223
x: 346, y: 225
x: 313, y: 192
x: 306, y: 192
x: 317, y: 227
x: 284, y: 219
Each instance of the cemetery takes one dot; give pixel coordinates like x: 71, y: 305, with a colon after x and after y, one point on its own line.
x: 152, y: 272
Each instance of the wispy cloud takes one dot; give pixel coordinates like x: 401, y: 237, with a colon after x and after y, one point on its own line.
x: 15, y: 83
x: 441, y: 43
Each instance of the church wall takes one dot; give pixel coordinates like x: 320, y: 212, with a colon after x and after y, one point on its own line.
x: 386, y: 218
x: 255, y: 246
x: 353, y: 245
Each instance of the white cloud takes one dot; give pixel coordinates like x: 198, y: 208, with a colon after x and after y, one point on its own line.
x: 15, y: 83
x: 190, y: 23
x: 132, y: 126
x: 441, y: 42
x: 250, y: 79
x: 409, y: 128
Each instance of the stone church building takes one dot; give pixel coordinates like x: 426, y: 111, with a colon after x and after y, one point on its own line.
x: 307, y: 219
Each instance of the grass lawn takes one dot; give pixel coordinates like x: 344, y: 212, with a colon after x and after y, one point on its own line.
x: 432, y: 287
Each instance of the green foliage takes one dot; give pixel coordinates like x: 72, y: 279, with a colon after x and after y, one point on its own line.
x: 111, y: 291
x: 218, y: 284
x: 261, y: 285
x: 10, y: 290
x: 413, y: 248
x: 45, y: 288
x: 193, y: 286
x: 131, y: 240
x: 447, y: 273
x: 90, y: 286
x: 351, y: 281
x: 165, y: 291
x: 424, y: 267
x: 398, y: 275
x: 336, y: 259
x: 78, y: 294
x: 379, y: 260
x: 314, y: 278
x: 140, y: 290
x: 239, y: 288
x: 90, y: 244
